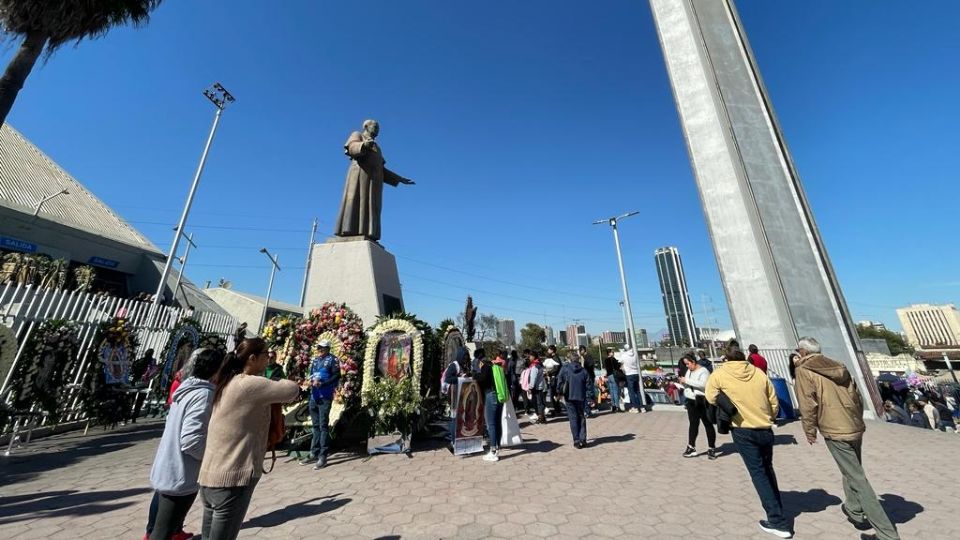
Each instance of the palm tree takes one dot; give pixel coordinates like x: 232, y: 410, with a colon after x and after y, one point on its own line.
x: 46, y: 25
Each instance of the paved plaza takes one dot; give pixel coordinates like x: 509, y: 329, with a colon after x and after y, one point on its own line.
x: 630, y: 483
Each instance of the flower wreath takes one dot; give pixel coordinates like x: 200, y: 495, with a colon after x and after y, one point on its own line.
x: 370, y: 357
x: 186, y: 329
x: 103, y: 397
x: 8, y: 351
x: 279, y: 334
x: 341, y: 321
x: 38, y: 377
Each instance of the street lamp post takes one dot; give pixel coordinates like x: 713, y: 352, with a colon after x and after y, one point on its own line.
x: 612, y: 221
x: 276, y: 266
x: 36, y: 209
x: 626, y: 327
x: 306, y: 271
x: 219, y: 96
x: 183, y: 265
x: 946, y: 358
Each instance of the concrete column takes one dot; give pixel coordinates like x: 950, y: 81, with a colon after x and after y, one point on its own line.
x: 776, y: 274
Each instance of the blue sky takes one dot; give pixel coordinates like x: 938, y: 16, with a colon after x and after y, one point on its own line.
x: 522, y: 122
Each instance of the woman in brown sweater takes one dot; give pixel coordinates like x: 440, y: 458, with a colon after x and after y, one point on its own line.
x: 237, y: 438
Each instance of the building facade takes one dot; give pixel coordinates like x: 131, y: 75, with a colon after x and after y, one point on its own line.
x: 643, y: 340
x: 551, y: 338
x: 507, y: 332
x: 931, y: 327
x: 613, y: 336
x: 676, y: 298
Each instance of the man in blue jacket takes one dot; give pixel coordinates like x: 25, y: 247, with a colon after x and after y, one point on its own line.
x: 573, y: 384
x: 324, y: 379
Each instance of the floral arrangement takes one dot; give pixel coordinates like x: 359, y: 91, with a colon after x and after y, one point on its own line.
x: 38, y: 378
x: 393, y: 406
x: 278, y: 330
x: 102, y: 396
x: 210, y: 340
x: 386, y: 326
x: 342, y: 324
x: 187, y: 331
x: 8, y: 353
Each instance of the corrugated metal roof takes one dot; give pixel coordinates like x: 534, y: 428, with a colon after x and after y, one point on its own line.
x: 27, y: 175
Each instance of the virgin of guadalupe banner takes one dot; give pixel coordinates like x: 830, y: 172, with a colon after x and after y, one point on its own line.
x: 468, y: 432
x: 395, y: 355
x: 116, y: 363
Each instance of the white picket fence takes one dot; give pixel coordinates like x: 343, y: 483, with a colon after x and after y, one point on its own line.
x: 24, y: 308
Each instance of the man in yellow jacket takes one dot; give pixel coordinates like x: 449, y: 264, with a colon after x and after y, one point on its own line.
x: 750, y: 391
x: 830, y: 402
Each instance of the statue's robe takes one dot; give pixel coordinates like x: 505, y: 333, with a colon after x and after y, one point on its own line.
x: 363, y: 190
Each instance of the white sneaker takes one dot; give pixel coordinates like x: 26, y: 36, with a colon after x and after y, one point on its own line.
x: 634, y: 411
x: 491, y: 456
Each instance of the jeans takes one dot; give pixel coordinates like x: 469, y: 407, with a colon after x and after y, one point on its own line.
x: 171, y: 511
x: 614, y: 390
x: 539, y: 404
x: 860, y: 499
x: 697, y: 414
x: 224, y: 510
x: 576, y: 413
x: 492, y: 411
x: 756, y: 449
x: 633, y: 390
x: 320, y: 418
x: 152, y: 513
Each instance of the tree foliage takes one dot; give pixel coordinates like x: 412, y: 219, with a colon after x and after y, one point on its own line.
x: 895, y: 341
x: 46, y: 25
x: 532, y: 336
x: 488, y: 327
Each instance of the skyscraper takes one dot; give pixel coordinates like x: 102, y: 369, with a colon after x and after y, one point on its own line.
x: 562, y: 338
x: 676, y: 299
x: 507, y: 332
x: 551, y: 338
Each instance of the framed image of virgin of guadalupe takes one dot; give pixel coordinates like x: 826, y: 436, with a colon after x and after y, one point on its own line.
x: 395, y: 355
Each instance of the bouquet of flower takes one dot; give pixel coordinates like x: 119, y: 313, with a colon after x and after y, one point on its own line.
x: 348, y: 393
x: 279, y: 330
x: 338, y: 319
x: 393, y: 406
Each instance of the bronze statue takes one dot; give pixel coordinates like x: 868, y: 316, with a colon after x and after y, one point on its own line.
x: 363, y: 191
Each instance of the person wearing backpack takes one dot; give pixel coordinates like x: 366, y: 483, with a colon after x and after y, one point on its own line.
x: 492, y: 405
x: 573, y: 383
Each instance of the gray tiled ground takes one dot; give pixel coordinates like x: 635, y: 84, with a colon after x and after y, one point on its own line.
x: 631, y: 483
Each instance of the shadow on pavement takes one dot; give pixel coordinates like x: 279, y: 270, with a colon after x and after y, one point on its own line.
x: 899, y: 509
x: 731, y: 448
x: 613, y: 439
x: 56, y: 453
x: 63, y: 503
x: 296, y: 511
x: 531, y: 447
x: 806, y: 502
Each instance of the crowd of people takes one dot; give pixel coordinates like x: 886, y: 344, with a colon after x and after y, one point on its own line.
x: 921, y: 407
x: 216, y: 434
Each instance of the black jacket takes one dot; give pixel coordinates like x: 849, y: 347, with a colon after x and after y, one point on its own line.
x: 725, y: 412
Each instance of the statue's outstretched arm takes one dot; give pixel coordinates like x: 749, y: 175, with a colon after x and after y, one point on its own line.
x: 393, y: 178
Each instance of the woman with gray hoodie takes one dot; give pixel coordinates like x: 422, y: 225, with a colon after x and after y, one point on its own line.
x: 177, y: 465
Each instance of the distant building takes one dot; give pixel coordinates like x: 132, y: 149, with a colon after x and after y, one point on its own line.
x: 676, y: 298
x: 248, y: 308
x: 551, y: 339
x: 507, y: 332
x: 931, y: 327
x: 562, y: 338
x: 573, y: 331
x: 707, y: 333
x: 875, y: 345
x: 612, y: 336
x: 643, y: 341
x: 583, y: 340
x: 877, y: 325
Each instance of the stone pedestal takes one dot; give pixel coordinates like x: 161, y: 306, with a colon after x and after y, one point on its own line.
x: 357, y: 272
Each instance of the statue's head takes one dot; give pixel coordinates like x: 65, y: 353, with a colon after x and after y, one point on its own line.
x: 371, y: 127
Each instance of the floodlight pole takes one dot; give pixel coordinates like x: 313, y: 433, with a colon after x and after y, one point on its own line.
x: 612, y: 221
x: 219, y: 96
x: 183, y: 266
x: 276, y: 266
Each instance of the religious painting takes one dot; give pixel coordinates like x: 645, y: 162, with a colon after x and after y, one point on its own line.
x: 394, y: 355
x: 452, y: 345
x: 116, y: 364
x: 468, y: 434
x: 185, y: 338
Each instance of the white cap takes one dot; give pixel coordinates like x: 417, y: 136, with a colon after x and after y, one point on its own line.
x: 324, y: 344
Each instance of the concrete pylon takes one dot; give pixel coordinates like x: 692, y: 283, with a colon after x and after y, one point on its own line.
x: 775, y: 270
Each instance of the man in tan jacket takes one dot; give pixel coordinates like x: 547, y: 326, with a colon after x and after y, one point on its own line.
x: 830, y: 402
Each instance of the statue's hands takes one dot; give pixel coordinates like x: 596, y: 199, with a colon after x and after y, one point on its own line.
x: 407, y: 181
